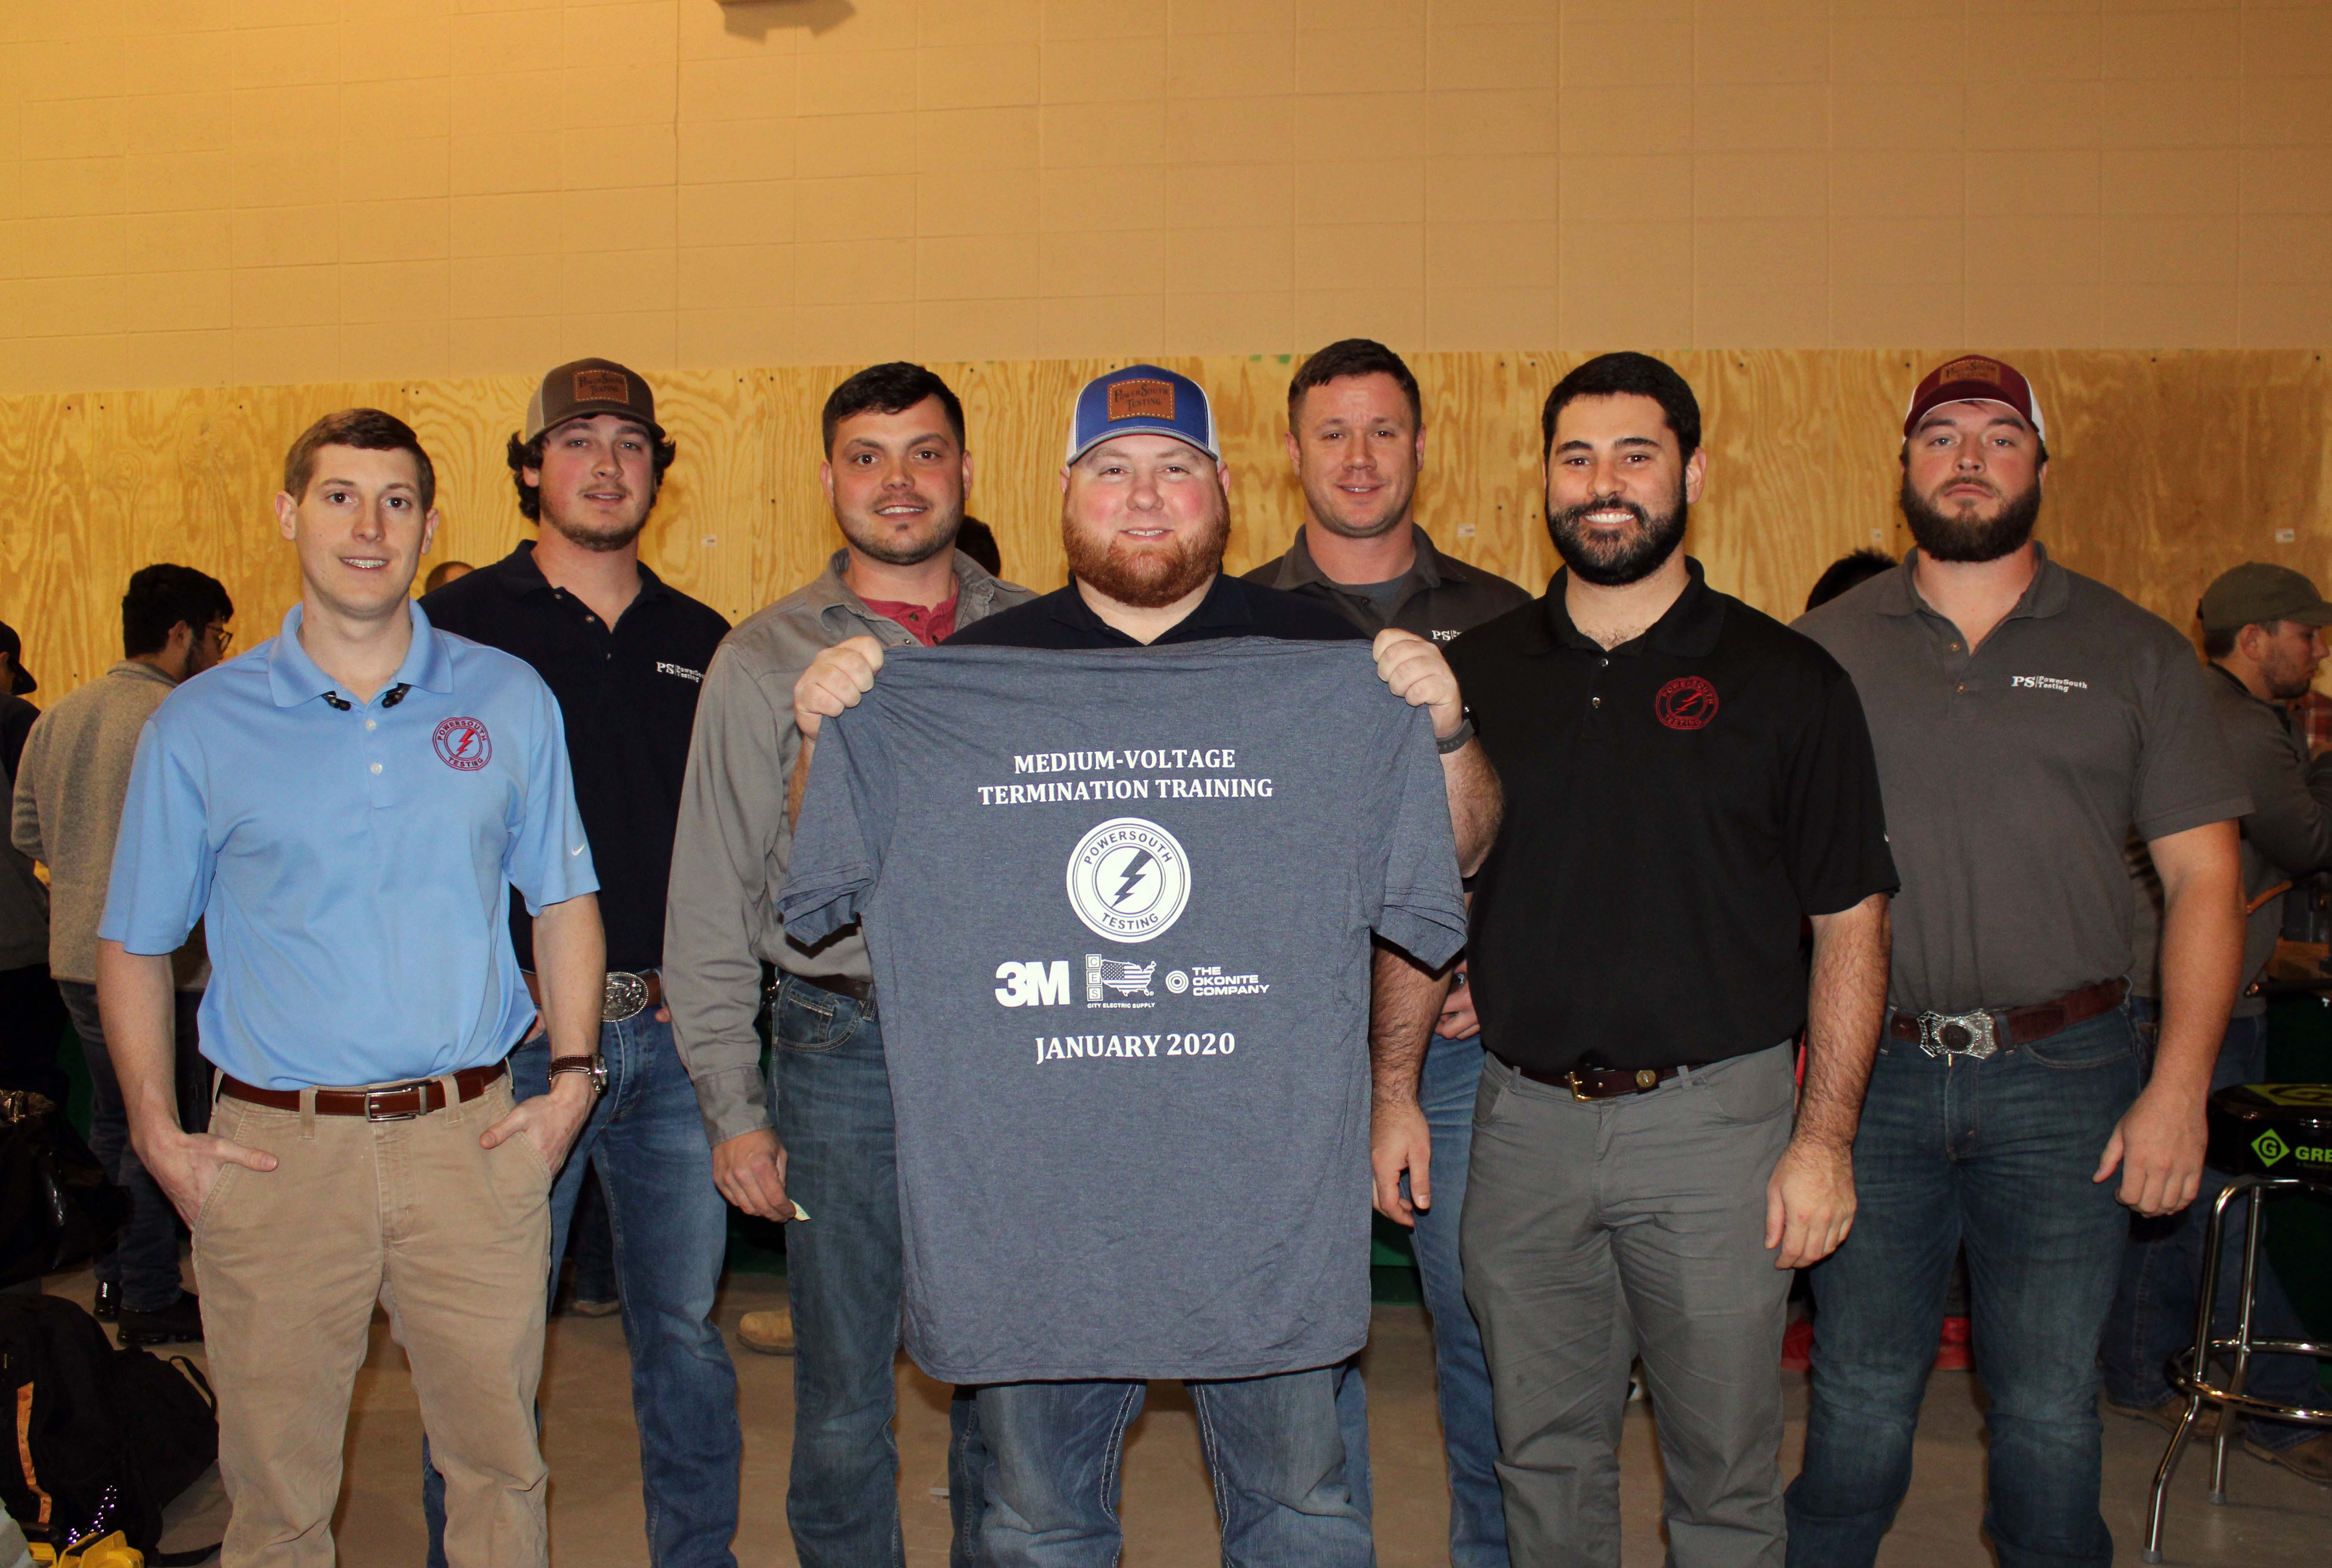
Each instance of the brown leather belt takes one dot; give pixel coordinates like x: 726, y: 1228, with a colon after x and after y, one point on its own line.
x: 396, y: 1103
x: 862, y: 992
x: 1603, y: 1083
x: 1984, y: 1031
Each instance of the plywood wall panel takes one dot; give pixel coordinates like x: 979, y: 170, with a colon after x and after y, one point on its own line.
x: 2167, y: 467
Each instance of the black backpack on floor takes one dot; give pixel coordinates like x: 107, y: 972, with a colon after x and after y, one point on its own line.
x: 105, y: 1438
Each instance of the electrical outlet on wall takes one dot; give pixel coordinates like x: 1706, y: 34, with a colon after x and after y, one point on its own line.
x: 2286, y: 535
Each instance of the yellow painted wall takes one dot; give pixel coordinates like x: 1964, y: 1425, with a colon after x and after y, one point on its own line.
x: 237, y: 193
x: 2166, y: 469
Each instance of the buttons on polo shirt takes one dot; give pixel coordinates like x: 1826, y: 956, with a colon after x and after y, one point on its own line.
x: 375, y: 767
x: 1595, y: 702
x: 372, y: 724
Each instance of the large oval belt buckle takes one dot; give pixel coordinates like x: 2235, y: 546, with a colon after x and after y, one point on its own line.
x: 622, y: 997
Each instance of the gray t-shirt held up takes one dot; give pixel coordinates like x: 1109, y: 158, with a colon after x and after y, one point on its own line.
x: 1118, y: 906
x: 2014, y: 776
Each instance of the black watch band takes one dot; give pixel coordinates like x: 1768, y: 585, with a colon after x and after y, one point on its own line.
x: 1458, y: 737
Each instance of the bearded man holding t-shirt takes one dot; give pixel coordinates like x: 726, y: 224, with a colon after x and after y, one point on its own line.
x: 1145, y: 516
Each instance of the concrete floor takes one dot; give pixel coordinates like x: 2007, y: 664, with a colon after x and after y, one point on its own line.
x: 2274, y: 1518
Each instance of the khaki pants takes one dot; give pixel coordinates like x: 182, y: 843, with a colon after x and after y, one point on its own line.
x: 454, y: 1239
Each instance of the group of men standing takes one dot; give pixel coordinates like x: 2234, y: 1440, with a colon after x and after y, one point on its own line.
x: 490, y: 881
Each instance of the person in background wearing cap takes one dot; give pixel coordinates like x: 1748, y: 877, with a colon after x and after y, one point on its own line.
x: 2262, y: 631
x: 818, y: 1128
x: 626, y: 655
x: 1356, y: 441
x: 345, y: 808
x: 2027, y: 720
x: 1145, y: 515
x: 69, y: 788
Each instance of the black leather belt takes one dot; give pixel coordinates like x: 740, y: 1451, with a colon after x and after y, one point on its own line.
x: 1603, y: 1083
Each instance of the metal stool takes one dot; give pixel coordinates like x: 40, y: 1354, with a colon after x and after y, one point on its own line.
x: 2275, y: 1139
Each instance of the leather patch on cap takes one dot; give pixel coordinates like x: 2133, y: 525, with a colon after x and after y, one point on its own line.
x: 1973, y: 368
x: 1141, y: 400
x: 603, y: 387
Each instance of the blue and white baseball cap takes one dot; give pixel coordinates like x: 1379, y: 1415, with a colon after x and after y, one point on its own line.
x: 1145, y: 399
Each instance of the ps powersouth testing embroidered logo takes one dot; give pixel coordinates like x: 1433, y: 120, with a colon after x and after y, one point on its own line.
x: 462, y: 744
x: 1128, y: 879
x: 1688, y: 702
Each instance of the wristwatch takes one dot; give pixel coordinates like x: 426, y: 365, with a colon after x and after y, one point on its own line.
x: 1456, y: 739
x: 594, y: 1069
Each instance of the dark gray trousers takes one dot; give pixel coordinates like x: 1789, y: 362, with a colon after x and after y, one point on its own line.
x: 1598, y: 1231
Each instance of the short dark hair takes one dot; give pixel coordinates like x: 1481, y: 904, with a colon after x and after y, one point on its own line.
x: 161, y: 597
x: 2219, y: 642
x: 889, y: 388
x: 977, y: 540
x: 1353, y: 357
x: 522, y: 455
x: 1850, y: 570
x: 366, y: 429
x: 1639, y: 375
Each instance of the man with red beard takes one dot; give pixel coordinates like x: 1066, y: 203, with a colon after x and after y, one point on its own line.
x: 2027, y: 721
x: 1145, y: 515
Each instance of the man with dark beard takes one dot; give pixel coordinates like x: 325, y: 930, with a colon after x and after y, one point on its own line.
x: 625, y: 653
x: 1144, y: 518
x: 819, y: 1128
x: 2028, y: 722
x: 1691, y: 781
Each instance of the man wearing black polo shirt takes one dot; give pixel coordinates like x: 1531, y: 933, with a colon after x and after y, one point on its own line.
x: 2027, y: 721
x: 1145, y: 515
x: 1690, y: 781
x: 626, y: 655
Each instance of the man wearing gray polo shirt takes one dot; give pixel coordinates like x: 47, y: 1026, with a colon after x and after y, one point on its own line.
x: 2027, y: 719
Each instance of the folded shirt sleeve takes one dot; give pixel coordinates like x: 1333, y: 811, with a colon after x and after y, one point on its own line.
x: 1420, y: 903
x: 846, y: 815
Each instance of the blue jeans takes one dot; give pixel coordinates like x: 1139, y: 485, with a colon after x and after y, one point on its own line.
x: 2153, y: 1311
x: 1478, y: 1513
x: 1272, y: 1449
x: 145, y: 1264
x: 832, y: 1089
x: 1998, y: 1155
x: 671, y: 1227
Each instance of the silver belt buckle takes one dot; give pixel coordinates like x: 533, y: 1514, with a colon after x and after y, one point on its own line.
x: 623, y: 996
x: 1972, y: 1034
x: 373, y: 1113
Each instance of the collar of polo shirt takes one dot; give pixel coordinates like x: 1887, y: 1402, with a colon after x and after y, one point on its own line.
x: 294, y: 677
x: 2049, y: 592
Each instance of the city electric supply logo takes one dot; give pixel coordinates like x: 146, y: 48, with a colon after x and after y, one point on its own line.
x: 1128, y: 879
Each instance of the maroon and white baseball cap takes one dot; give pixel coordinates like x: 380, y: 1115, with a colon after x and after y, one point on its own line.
x: 1975, y: 378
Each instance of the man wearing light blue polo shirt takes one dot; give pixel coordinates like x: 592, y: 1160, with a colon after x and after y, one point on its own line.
x: 343, y: 806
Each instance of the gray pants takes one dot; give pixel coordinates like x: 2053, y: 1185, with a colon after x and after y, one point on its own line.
x: 1598, y: 1231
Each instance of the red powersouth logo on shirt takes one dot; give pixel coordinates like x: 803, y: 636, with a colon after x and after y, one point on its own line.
x: 463, y: 743
x: 1688, y: 702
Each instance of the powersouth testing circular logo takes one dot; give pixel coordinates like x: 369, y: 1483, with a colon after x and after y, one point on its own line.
x: 1128, y: 879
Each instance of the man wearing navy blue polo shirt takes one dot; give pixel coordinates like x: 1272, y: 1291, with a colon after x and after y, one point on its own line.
x: 626, y: 654
x: 343, y: 807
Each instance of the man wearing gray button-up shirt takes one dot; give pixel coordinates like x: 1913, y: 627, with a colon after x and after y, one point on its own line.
x: 2027, y: 720
x: 819, y: 1129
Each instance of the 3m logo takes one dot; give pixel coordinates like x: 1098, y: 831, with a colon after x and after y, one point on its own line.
x: 602, y: 386
x: 1141, y: 400
x: 1035, y: 984
x: 2269, y: 1147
